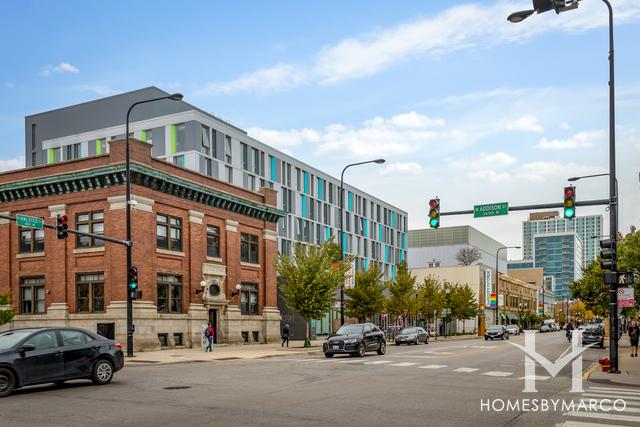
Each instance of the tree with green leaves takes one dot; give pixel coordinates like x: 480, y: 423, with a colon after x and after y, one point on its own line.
x: 402, y: 293
x: 461, y: 301
x: 430, y: 298
x: 6, y: 311
x: 309, y: 279
x: 367, y: 297
x: 592, y: 290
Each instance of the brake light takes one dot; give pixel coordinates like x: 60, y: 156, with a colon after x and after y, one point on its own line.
x: 118, y: 346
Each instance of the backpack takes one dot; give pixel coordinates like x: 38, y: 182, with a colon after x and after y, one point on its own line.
x: 207, y: 332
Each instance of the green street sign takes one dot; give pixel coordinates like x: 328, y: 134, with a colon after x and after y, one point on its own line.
x: 492, y: 209
x: 29, y: 221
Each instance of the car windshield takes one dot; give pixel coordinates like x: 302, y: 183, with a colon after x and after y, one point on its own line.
x: 11, y: 338
x: 593, y: 329
x: 495, y: 328
x: 350, y: 329
x: 511, y: 327
x: 409, y: 331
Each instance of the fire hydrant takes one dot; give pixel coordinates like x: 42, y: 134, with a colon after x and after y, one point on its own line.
x: 604, y: 364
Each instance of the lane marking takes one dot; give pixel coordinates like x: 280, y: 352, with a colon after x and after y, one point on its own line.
x: 482, y: 346
x: 498, y: 374
x: 616, y: 393
x: 598, y: 415
x: 611, y: 389
x: 466, y: 370
x: 378, y: 362
x: 583, y: 424
x: 437, y: 352
x: 605, y: 396
x: 404, y: 364
x: 432, y: 366
x: 535, y: 377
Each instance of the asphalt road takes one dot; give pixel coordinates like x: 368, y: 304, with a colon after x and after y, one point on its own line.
x: 434, y: 384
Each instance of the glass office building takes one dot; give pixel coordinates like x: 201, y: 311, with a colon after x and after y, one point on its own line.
x: 560, y: 255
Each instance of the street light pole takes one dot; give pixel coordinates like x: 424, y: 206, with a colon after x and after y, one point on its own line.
x: 130, y: 328
x: 613, y: 198
x: 497, y: 284
x: 378, y: 161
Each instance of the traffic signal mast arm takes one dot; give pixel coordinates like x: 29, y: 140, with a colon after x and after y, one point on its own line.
x: 79, y: 233
x: 598, y: 202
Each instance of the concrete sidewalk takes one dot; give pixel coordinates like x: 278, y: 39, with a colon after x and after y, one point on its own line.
x: 454, y: 338
x: 629, y: 369
x: 223, y: 352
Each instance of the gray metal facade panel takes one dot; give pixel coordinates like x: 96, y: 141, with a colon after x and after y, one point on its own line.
x: 159, y: 143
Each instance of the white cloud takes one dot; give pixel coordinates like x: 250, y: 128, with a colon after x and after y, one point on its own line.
x: 9, y: 85
x: 11, y: 164
x: 63, y: 67
x: 523, y: 124
x: 283, y: 139
x: 484, y: 162
x: 409, y: 168
x: 579, y: 140
x: 265, y: 80
x: 407, y: 120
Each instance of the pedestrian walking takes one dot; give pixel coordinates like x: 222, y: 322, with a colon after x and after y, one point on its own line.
x: 208, y: 333
x: 285, y: 335
x: 634, y: 333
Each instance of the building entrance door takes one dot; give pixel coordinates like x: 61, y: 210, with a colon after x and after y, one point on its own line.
x: 213, y: 318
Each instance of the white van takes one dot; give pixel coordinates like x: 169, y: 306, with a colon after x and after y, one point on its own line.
x: 548, y: 325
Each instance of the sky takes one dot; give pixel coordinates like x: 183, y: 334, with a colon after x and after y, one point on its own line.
x: 461, y: 103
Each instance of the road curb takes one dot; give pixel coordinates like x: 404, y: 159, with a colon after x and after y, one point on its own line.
x: 589, y: 371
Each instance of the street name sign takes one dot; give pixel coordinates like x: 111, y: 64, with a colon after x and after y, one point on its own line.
x: 29, y: 221
x: 493, y: 209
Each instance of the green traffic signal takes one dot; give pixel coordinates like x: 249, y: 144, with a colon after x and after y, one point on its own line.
x: 434, y: 222
x: 133, y: 286
x: 569, y: 212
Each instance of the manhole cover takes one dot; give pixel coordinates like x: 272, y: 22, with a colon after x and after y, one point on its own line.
x: 177, y: 387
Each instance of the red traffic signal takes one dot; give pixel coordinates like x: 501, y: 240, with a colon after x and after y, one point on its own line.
x: 434, y: 203
x: 62, y: 226
x: 569, y: 191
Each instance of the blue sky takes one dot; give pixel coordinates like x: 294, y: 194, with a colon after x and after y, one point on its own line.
x: 461, y: 103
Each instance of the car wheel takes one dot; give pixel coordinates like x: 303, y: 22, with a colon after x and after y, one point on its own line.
x: 507, y: 336
x: 361, y: 350
x: 328, y: 355
x: 426, y: 341
x: 601, y: 345
x: 382, y: 349
x: 59, y: 383
x: 102, y: 372
x: 7, y: 382
x: 417, y: 341
x: 397, y: 343
x: 486, y: 339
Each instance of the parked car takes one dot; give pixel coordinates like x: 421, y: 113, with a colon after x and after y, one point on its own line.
x: 391, y: 332
x: 414, y: 335
x: 356, y: 340
x: 54, y: 355
x: 496, y: 332
x: 548, y: 325
x: 513, y: 329
x: 593, y: 334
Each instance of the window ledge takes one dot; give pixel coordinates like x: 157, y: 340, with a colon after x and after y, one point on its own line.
x: 88, y: 250
x: 250, y: 265
x: 214, y: 259
x: 168, y: 252
x: 29, y: 255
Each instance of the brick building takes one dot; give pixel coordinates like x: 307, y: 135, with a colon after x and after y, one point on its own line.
x: 204, y: 249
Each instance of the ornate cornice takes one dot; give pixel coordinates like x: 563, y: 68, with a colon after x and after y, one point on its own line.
x: 154, y: 179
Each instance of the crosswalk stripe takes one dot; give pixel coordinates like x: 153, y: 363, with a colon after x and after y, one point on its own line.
x: 437, y: 352
x: 466, y: 370
x: 378, y: 362
x: 607, y: 396
x: 535, y: 377
x: 432, y: 366
x: 615, y: 393
x: 626, y: 390
x: 498, y: 374
x: 583, y: 424
x: 403, y: 364
x: 599, y: 415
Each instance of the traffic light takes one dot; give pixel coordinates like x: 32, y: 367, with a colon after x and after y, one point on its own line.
x: 434, y: 213
x: 62, y: 226
x: 132, y: 282
x: 569, y: 202
x: 607, y: 252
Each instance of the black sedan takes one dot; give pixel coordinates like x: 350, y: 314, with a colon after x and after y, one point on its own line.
x: 55, y: 355
x: 496, y: 332
x: 355, y: 340
x: 414, y: 335
x: 593, y: 335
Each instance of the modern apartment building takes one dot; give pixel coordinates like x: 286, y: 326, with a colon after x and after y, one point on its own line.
x: 588, y: 228
x: 560, y: 256
x: 375, y: 231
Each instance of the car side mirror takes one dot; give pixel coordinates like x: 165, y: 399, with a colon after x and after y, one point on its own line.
x: 26, y: 347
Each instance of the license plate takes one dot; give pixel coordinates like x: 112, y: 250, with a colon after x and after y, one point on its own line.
x: 335, y: 347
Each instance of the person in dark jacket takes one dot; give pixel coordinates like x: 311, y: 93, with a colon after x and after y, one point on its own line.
x: 285, y: 335
x: 634, y: 332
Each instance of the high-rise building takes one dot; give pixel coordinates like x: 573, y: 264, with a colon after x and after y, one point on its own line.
x: 560, y: 256
x: 588, y: 228
x: 182, y: 134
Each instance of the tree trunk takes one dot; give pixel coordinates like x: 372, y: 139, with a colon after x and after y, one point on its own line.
x: 307, y: 336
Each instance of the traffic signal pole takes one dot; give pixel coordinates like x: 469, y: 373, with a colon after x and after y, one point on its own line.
x: 598, y: 202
